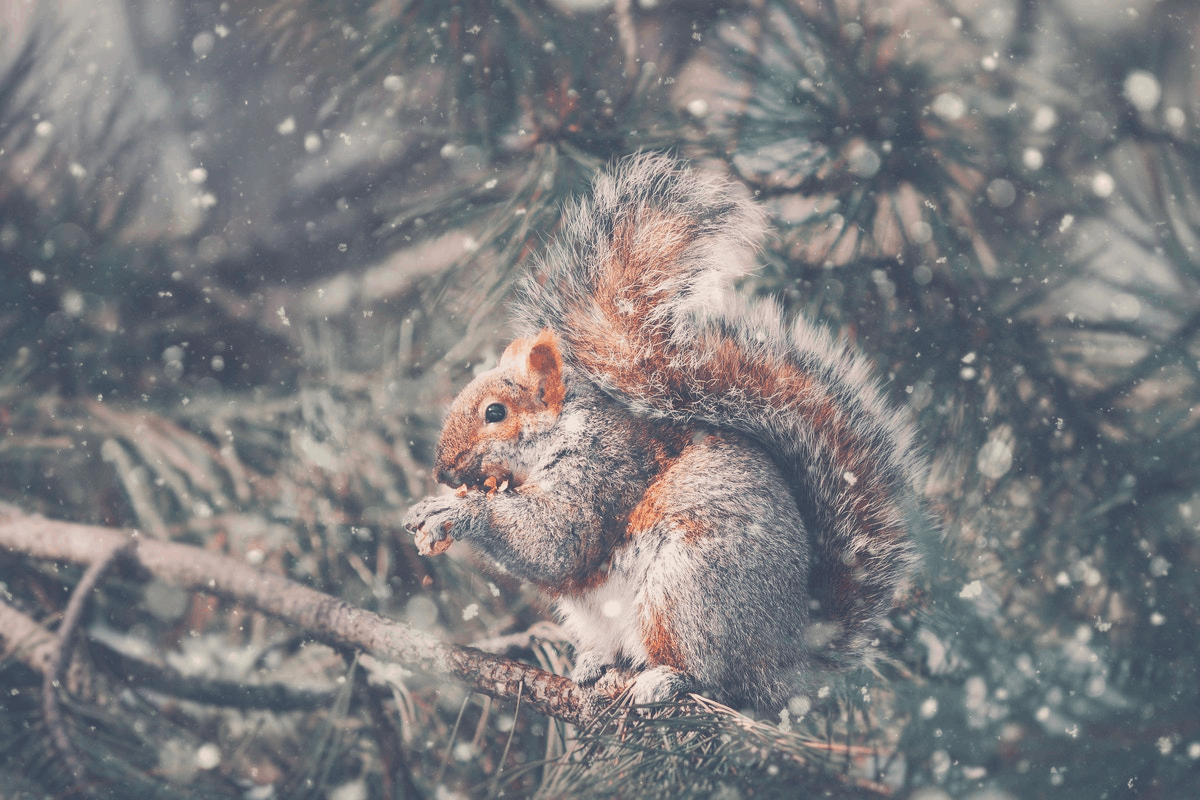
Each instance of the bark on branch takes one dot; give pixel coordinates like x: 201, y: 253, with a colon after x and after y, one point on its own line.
x: 326, y: 618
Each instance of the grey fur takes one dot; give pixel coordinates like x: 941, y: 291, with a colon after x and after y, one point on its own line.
x: 767, y: 545
x: 694, y: 316
x: 576, y: 477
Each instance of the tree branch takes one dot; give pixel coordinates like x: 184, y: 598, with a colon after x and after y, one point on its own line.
x: 327, y: 618
x: 23, y: 639
x: 56, y: 670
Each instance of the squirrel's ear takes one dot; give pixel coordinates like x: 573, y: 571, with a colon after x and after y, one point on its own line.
x: 545, y: 367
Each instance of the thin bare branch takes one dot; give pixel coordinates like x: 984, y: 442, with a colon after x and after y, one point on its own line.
x: 325, y: 617
x: 56, y: 670
x: 22, y: 638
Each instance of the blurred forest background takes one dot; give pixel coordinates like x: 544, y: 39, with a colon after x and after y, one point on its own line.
x: 249, y: 250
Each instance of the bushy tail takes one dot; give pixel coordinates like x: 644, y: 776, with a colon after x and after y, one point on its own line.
x: 637, y: 288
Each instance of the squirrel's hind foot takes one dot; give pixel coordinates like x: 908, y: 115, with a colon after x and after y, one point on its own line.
x: 590, y: 665
x: 660, y: 685
x: 654, y: 685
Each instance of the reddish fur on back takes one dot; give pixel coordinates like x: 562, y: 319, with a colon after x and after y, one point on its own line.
x: 659, y: 638
x: 638, y: 296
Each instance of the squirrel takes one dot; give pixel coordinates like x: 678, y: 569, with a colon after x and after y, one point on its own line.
x: 713, y: 499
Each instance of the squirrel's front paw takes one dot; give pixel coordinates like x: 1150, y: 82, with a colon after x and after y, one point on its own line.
x: 433, y: 522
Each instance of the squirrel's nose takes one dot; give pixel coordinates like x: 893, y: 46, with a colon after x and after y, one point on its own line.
x: 445, y: 473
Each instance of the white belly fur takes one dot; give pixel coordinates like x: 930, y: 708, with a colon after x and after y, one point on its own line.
x: 607, y: 619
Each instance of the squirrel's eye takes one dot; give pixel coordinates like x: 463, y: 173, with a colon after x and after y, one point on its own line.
x: 495, y: 412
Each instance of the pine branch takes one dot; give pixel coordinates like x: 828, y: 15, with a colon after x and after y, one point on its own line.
x: 56, y: 670
x: 327, y: 618
x: 22, y: 639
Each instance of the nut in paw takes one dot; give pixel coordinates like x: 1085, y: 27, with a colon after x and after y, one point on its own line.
x: 432, y: 521
x: 426, y: 545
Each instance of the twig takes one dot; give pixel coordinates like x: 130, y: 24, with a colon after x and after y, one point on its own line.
x: 450, y: 743
x: 325, y: 617
x: 21, y: 637
x: 541, y: 630
x: 396, y: 769
x: 495, y: 792
x: 1177, y: 344
x: 627, y: 35
x: 230, y: 460
x: 410, y: 470
x: 133, y: 480
x: 166, y: 680
x: 56, y: 670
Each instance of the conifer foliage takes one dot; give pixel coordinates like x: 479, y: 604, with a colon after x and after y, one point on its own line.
x: 250, y: 250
